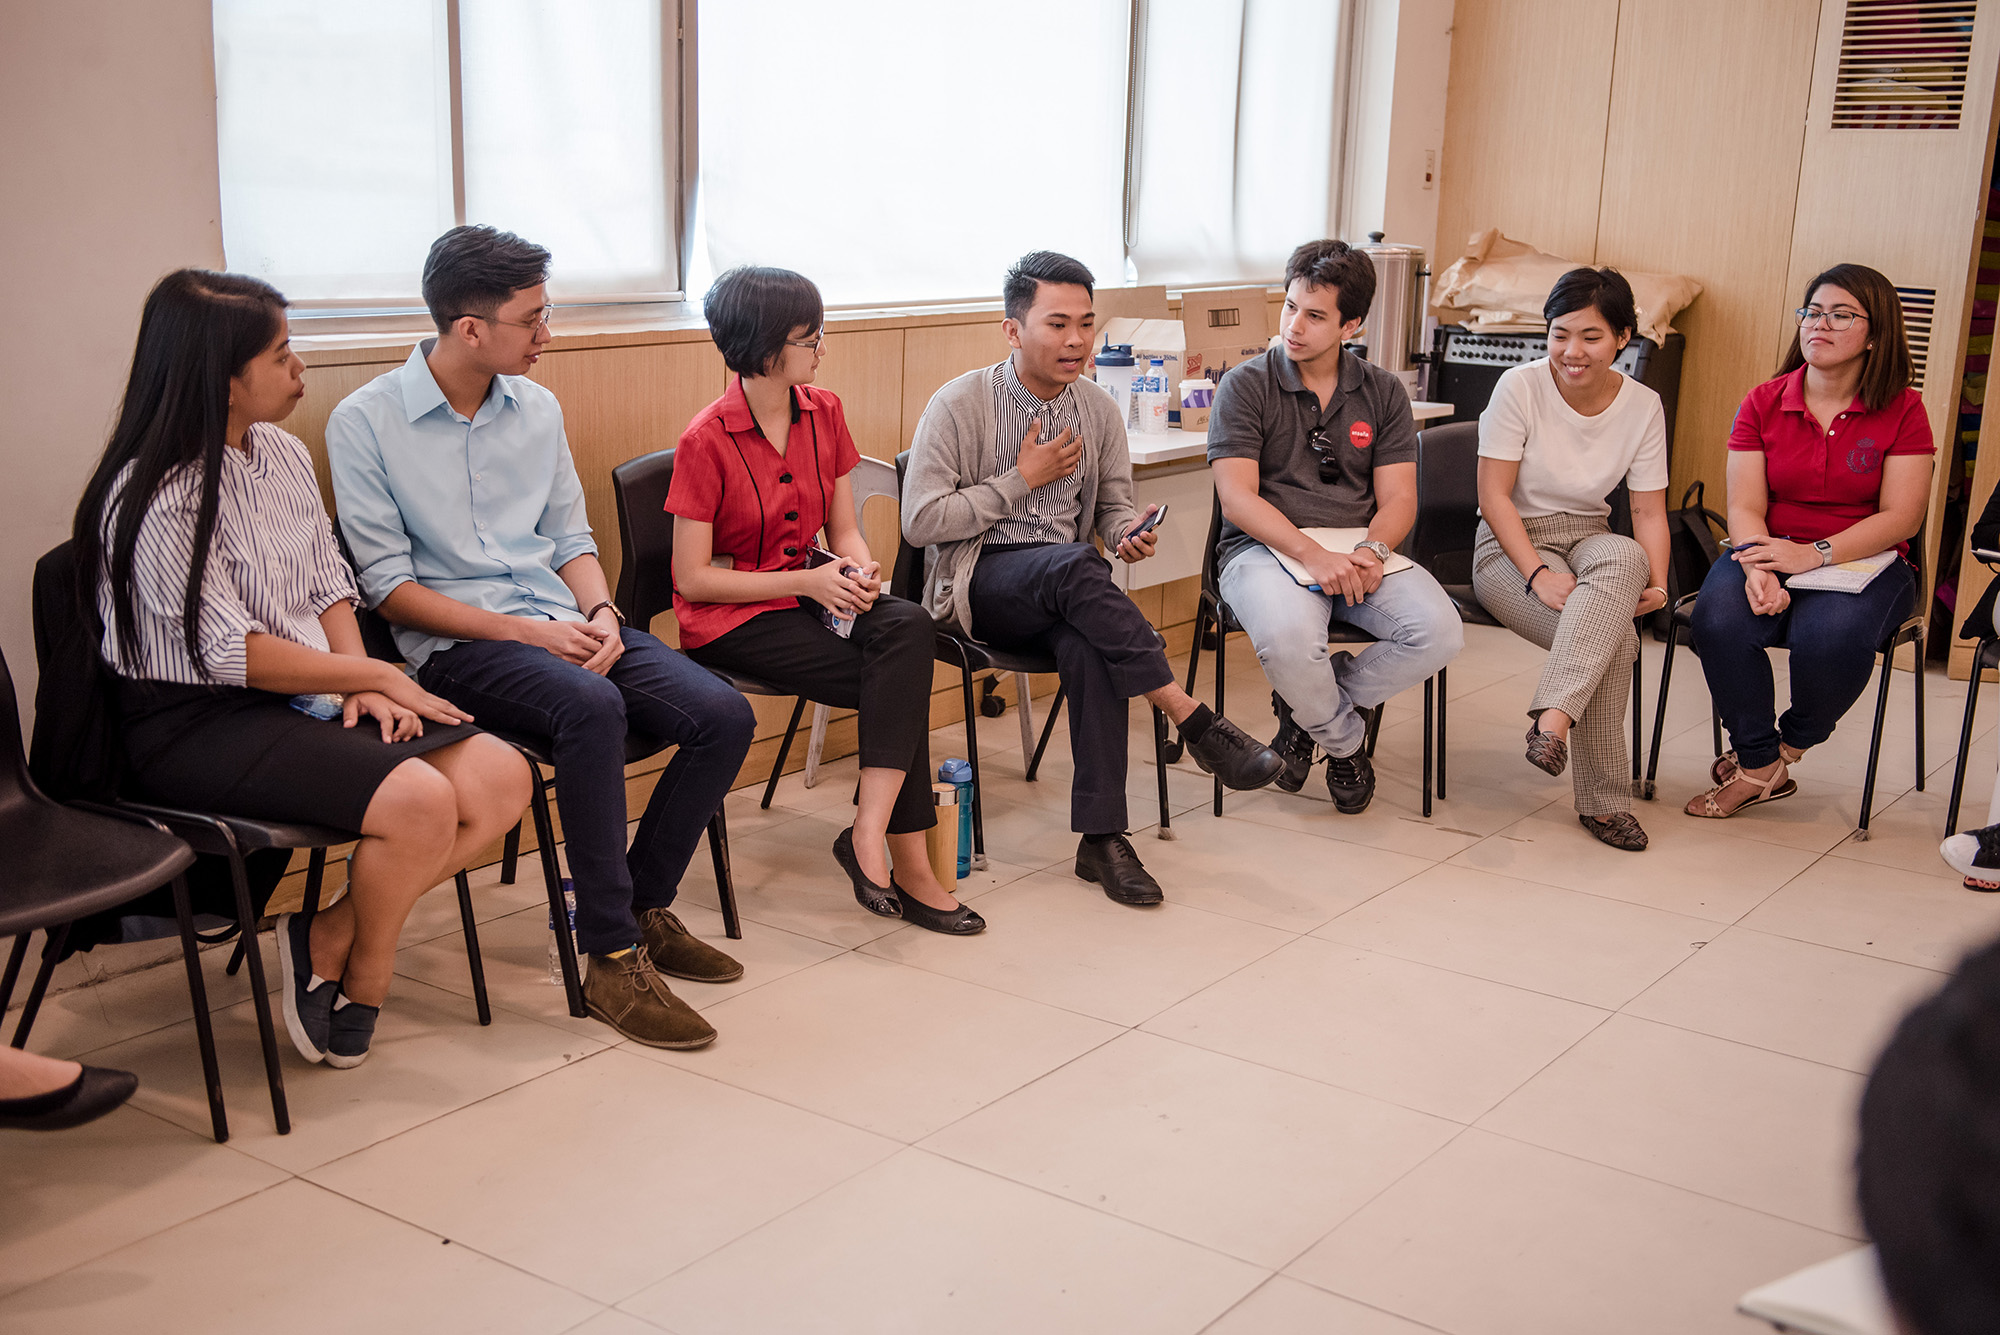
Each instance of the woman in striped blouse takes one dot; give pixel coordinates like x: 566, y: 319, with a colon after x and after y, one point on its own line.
x: 243, y: 686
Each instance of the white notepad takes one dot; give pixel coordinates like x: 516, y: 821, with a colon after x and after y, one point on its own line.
x: 1844, y: 576
x: 1342, y: 540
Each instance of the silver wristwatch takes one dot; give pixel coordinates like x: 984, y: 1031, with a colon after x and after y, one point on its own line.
x: 1825, y: 549
x: 1379, y: 549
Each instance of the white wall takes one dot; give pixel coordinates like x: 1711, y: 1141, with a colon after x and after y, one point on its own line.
x: 1402, y: 62
x: 108, y: 171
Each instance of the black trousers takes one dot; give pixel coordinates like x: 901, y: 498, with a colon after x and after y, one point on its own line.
x: 883, y: 669
x: 1059, y: 599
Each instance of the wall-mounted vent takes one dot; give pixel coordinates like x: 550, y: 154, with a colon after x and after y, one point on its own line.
x: 1903, y: 64
x: 1919, y: 311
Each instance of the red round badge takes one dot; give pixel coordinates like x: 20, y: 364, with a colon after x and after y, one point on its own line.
x: 1361, y: 434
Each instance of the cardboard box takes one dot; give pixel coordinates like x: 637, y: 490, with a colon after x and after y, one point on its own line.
x: 1165, y: 339
x: 1143, y: 303
x: 1219, y: 328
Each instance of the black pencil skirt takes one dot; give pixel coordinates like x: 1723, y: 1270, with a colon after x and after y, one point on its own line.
x: 241, y: 752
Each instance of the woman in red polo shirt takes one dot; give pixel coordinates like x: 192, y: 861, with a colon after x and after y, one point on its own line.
x: 1829, y: 462
x: 757, y: 475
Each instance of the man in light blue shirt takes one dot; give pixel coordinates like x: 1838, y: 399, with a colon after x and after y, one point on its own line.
x: 457, y: 493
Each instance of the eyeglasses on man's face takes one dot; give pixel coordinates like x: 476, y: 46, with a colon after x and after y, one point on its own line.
x: 537, y: 324
x: 1836, y: 320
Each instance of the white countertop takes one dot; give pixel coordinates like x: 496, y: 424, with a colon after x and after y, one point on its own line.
x: 1175, y: 444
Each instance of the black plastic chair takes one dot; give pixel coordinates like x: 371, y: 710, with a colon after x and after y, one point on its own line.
x: 646, y: 574
x: 970, y: 656
x: 1681, y: 627
x: 59, y: 863
x: 1443, y: 538
x: 1213, y: 617
x: 1985, y: 655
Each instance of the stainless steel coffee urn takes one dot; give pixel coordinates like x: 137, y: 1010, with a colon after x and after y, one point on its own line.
x: 1395, y: 324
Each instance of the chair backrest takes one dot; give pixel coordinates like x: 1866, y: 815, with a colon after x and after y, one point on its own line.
x: 378, y: 637
x: 1210, y: 578
x: 645, y: 536
x: 16, y: 788
x: 1442, y: 539
x: 906, y: 577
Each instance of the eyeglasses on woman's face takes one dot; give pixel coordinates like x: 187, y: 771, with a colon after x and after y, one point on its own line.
x: 816, y: 342
x: 1836, y: 320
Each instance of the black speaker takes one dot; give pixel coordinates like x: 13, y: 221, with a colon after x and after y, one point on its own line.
x: 1466, y: 365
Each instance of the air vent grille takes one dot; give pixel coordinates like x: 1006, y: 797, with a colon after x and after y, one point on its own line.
x: 1919, y: 312
x: 1903, y: 64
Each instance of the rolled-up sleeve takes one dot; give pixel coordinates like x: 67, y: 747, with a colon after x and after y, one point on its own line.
x: 565, y: 519
x: 369, y: 516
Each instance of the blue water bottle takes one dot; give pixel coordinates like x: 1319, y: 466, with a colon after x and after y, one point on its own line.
x: 959, y: 773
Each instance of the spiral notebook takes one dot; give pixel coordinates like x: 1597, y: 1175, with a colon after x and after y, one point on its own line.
x: 1844, y: 576
x: 1341, y: 540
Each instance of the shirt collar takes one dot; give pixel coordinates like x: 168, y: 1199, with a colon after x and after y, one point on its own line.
x: 736, y: 415
x: 1289, y: 379
x: 421, y: 395
x: 1792, y: 398
x: 1029, y: 402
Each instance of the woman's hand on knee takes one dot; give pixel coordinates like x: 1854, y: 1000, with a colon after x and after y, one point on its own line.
x: 1766, y: 595
x: 398, y: 724
x: 1553, y: 588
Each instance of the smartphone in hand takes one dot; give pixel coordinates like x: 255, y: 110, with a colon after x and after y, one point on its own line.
x: 1146, y: 525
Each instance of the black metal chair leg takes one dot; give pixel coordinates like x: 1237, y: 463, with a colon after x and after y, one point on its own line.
x: 1875, y: 745
x: 204, y: 1029
x: 236, y: 955
x: 1958, y: 770
x: 1048, y: 728
x: 1638, y: 713
x: 260, y: 998
x: 1917, y: 648
x: 1374, y: 726
x: 510, y: 854
x: 1160, y: 768
x: 315, y: 881
x: 545, y: 837
x: 1221, y: 682
x: 13, y: 973
x: 472, y: 957
x: 1443, y: 694
x: 52, y: 946
x: 1660, y: 710
x: 725, y: 880
x: 784, y: 750
x: 972, y: 759
x: 1429, y: 740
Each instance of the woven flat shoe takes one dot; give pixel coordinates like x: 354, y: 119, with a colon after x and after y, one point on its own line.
x: 1620, y: 830
x: 1546, y: 751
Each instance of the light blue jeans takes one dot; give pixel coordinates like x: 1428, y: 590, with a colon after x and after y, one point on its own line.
x: 1416, y: 627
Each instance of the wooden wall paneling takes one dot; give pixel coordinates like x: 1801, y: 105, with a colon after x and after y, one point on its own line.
x: 865, y: 369
x: 622, y: 402
x: 1722, y: 214
x: 326, y: 386
x: 934, y: 354
x: 1524, y: 130
x: 1909, y: 202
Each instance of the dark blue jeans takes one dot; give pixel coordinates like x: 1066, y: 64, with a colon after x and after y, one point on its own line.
x: 653, y: 691
x: 1833, y: 638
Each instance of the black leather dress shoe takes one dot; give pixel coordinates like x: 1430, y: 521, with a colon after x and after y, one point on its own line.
x: 1232, y: 755
x: 1112, y: 864
x: 1294, y: 745
x: 961, y: 921
x: 95, y: 1092
x: 880, y: 900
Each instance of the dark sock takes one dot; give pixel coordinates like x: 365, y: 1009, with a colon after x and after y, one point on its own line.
x: 37, y: 1104
x: 1104, y: 838
x: 1196, y: 724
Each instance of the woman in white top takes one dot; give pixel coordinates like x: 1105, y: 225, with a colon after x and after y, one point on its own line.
x: 1555, y: 441
x: 229, y: 615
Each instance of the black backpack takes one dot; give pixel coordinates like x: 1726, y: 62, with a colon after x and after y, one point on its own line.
x: 1691, y: 535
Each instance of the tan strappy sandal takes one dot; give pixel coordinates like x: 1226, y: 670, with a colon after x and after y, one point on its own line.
x: 1778, y: 785
x: 1724, y: 768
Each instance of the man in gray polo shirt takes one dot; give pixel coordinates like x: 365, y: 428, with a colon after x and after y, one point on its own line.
x: 1310, y: 437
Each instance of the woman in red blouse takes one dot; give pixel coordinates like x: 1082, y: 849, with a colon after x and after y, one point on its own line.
x: 1829, y: 462
x: 757, y: 474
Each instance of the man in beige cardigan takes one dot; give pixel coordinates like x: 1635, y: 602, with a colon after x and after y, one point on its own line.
x: 1013, y: 466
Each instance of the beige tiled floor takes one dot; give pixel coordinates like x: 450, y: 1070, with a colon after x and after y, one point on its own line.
x: 1382, y: 1075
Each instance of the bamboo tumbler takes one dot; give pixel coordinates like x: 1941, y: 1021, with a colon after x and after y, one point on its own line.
x: 941, y: 840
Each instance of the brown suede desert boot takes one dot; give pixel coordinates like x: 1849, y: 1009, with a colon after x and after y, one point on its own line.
x: 679, y: 953
x: 626, y: 993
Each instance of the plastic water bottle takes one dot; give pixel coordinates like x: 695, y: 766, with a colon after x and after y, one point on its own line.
x: 555, y: 951
x: 1150, y: 397
x: 958, y: 773
x: 1116, y: 372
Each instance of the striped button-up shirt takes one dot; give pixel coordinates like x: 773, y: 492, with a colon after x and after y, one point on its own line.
x: 273, y: 566
x: 1052, y: 512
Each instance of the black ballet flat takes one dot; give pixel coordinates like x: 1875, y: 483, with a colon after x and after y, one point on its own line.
x: 961, y: 921
x: 880, y: 900
x: 94, y: 1092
